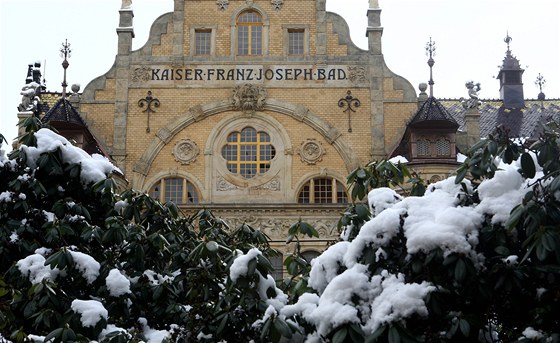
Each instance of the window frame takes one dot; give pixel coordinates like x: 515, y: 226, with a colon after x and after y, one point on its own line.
x: 253, y: 28
x: 309, y: 187
x: 287, y: 29
x: 258, y: 143
x: 186, y: 188
x: 193, y: 40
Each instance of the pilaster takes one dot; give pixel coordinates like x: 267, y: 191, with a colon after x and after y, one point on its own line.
x: 374, y: 30
x: 321, y: 30
x: 125, y: 33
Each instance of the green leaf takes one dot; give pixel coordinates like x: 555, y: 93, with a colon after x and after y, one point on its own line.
x: 54, y: 334
x: 555, y: 184
x: 460, y: 270
x: 394, y: 335
x: 461, y: 173
x: 340, y: 335
x: 465, y: 327
x: 515, y: 215
x: 376, y: 334
x: 281, y: 326
x: 528, y: 165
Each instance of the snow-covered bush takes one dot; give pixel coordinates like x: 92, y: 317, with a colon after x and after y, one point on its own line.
x: 79, y: 262
x: 473, y: 258
x: 458, y: 261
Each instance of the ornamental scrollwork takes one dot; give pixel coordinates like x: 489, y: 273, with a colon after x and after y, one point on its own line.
x: 186, y: 151
x: 141, y: 74
x: 357, y: 74
x: 249, y: 98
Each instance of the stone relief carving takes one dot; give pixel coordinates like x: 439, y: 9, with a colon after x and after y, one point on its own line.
x: 276, y: 228
x: 222, y: 4
x: 141, y: 74
x: 272, y: 185
x: 222, y: 185
x: 249, y: 98
x: 311, y: 151
x: 357, y: 74
x: 277, y: 4
x: 186, y: 151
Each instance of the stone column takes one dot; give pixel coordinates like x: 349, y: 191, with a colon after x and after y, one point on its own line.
x: 376, y: 75
x: 125, y: 33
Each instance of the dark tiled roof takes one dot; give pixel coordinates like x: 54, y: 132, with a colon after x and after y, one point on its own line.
x: 433, y: 111
x: 521, y: 122
x: 63, y: 111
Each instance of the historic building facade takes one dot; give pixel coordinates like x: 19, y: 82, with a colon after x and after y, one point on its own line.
x: 259, y: 109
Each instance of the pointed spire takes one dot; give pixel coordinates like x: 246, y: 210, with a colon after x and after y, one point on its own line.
x: 430, y: 52
x: 66, y: 53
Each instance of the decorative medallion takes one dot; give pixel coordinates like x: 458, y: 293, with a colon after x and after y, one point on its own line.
x: 141, y: 74
x: 357, y: 74
x: 311, y: 151
x: 249, y: 98
x: 222, y: 4
x: 185, y: 151
x: 277, y: 4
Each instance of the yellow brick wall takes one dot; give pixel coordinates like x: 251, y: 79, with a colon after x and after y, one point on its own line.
x: 397, y: 116
x: 204, y: 12
x: 165, y: 48
x: 100, y: 117
x: 108, y: 93
x: 333, y: 47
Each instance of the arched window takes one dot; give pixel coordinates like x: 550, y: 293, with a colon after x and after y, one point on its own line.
x: 249, y: 33
x: 175, y: 189
x: 423, y: 147
x: 249, y: 152
x: 323, y: 190
x: 443, y: 147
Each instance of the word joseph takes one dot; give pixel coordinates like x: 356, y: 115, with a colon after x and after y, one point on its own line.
x: 247, y: 74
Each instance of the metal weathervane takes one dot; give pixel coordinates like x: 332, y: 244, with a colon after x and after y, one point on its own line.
x: 349, y: 101
x: 66, y: 53
x: 430, y: 52
x: 148, y: 101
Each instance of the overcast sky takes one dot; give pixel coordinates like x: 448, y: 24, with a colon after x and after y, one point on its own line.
x: 468, y: 34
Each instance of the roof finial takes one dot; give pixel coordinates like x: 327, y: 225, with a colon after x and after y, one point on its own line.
x: 507, y: 40
x: 66, y: 53
x: 540, y: 83
x: 431, y: 51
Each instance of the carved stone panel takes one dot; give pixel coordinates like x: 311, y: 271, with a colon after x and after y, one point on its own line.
x: 249, y: 98
x: 357, y: 74
x: 222, y: 4
x: 311, y: 151
x: 141, y: 74
x: 186, y: 151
